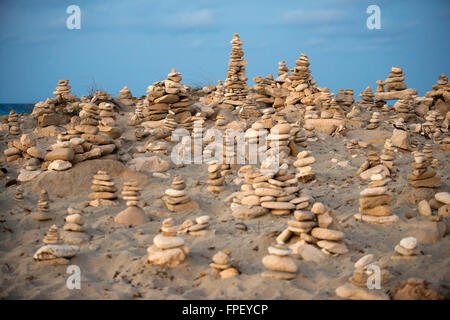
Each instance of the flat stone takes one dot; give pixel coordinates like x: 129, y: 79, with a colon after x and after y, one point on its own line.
x: 168, y: 257
x: 370, y: 192
x: 278, y: 205
x: 66, y: 154
x: 333, y: 247
x: 377, y: 220
x: 374, y: 201
x: 246, y: 213
x: 282, y: 264
x: 434, y: 182
x: 59, y: 165
x: 364, y: 261
x: 164, y: 242
x: 443, y: 197
x: 278, y: 275
x: 378, y: 211
x: 327, y: 234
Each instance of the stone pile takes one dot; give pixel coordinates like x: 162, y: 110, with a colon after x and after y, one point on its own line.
x: 400, y: 136
x: 74, y: 232
x: 168, y: 249
x: 395, y: 88
x: 441, y: 90
x: 125, y: 97
x: 372, y: 165
x: 215, y: 178
x: 355, y: 113
x: 299, y: 135
x: 103, y: 190
x: 283, y: 72
x: 357, y: 286
x: 345, y: 98
x: 395, y: 80
x: 218, y: 94
x: 312, y: 113
x: 374, y: 121
x: 170, y: 124
x: 266, y: 118
x: 195, y: 228
x: 13, y: 122
x: 388, y: 155
x: 158, y: 147
x: 310, y: 132
x: 89, y: 119
x: 61, y: 156
x: 302, y: 164
x: 278, y: 140
x: 407, y: 248
x: 166, y: 95
x: 421, y: 177
x: 235, y: 86
x: 222, y: 265
x: 255, y: 142
x: 280, y: 264
x: 428, y: 153
x: 374, y: 201
x: 63, y: 89
x: 55, y: 252
x: 138, y: 116
x: 176, y: 198
x: 367, y: 98
x: 405, y: 109
x: 101, y: 96
x: 107, y: 126
x: 133, y: 215
x: 43, y: 212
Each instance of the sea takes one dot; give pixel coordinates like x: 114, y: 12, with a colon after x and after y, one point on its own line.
x: 20, y: 108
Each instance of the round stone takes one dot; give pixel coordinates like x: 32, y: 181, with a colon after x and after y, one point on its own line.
x: 409, y: 243
x: 164, y: 242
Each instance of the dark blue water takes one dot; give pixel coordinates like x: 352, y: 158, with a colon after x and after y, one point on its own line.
x: 5, y: 108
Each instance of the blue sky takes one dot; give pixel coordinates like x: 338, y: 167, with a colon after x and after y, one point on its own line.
x: 137, y: 42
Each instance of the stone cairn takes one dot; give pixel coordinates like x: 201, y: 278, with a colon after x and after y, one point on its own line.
x: 255, y: 142
x: 405, y: 109
x: 302, y: 87
x: 168, y: 94
x: 54, y: 252
x: 138, y: 116
x: 43, y: 214
x: 367, y: 98
x: 388, y: 155
x: 373, y: 204
x: 168, y: 249
x: 235, y: 86
x: 125, y: 97
x: 107, y: 126
x: 218, y: 94
x: 103, y: 190
x: 395, y: 80
x: 280, y: 264
x: 266, y: 118
x: 421, y: 177
x: 89, y: 119
x: 19, y: 193
x: 345, y: 98
x: 299, y: 135
x: 374, y: 121
x: 215, y: 178
x: 373, y: 161
x: 357, y: 285
x: 63, y: 89
x: 406, y: 249
x: 176, y: 198
x: 133, y: 215
x: 74, y: 232
x: 314, y: 226
x: 13, y: 122
x: 195, y: 228
x: 53, y: 236
x: 302, y: 164
x: 428, y: 153
x: 222, y: 265
x: 283, y: 72
x: 441, y: 90
x: 278, y: 140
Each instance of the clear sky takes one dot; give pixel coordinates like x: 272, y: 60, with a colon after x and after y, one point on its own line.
x: 137, y: 42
